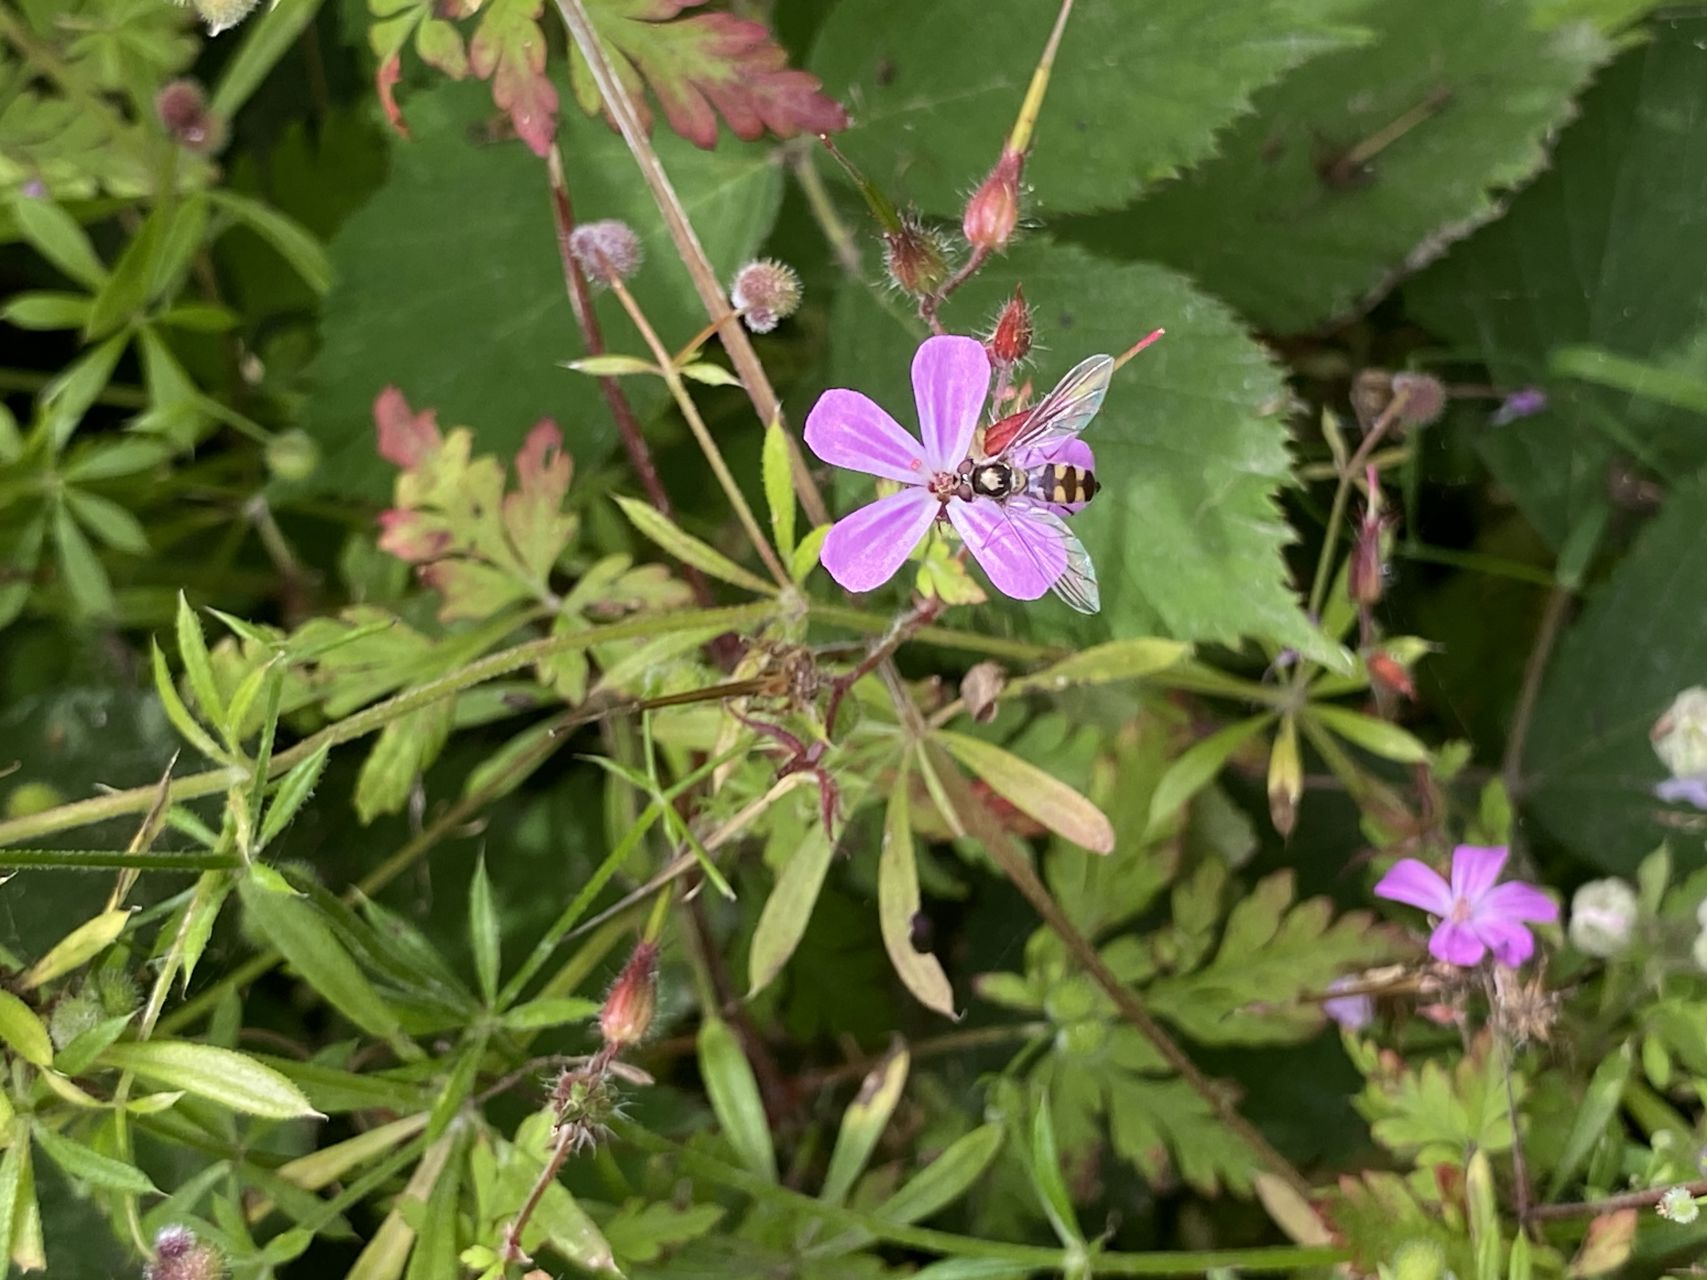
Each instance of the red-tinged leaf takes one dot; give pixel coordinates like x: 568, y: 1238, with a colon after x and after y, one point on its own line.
x: 1010, y: 817
x: 440, y: 45
x: 470, y: 589
x: 534, y: 518
x: 385, y: 79
x: 509, y: 49
x: 405, y: 437
x: 705, y: 66
x: 414, y: 536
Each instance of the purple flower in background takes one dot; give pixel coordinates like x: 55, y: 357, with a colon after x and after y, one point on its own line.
x: 1353, y: 1012
x: 1683, y: 791
x: 1476, y: 915
x: 1523, y: 403
x: 951, y: 377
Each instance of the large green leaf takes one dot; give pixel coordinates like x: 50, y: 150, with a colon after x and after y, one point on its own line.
x: 1259, y: 225
x: 449, y: 284
x: 1590, y: 769
x: 1608, y: 249
x: 1138, y: 90
x: 1190, y: 444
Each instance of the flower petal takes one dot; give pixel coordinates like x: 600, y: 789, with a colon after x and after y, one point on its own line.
x: 951, y: 378
x: 865, y: 548
x: 1510, y: 942
x: 1475, y: 867
x: 1683, y: 791
x: 1020, y: 554
x: 847, y: 429
x: 1456, y: 944
x: 1515, y: 900
x: 1074, y: 452
x: 1416, y: 885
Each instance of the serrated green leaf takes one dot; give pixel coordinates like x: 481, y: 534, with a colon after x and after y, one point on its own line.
x: 85, y: 1165
x: 23, y: 1031
x: 898, y: 903
x: 863, y: 1124
x: 689, y: 549
x: 1034, y: 792
x: 779, y: 488
x: 788, y: 909
x: 1381, y: 737
x: 293, y: 792
x: 77, y: 948
x: 484, y: 934
x: 167, y: 690
x: 734, y: 1094
x: 233, y: 1080
x: 54, y: 234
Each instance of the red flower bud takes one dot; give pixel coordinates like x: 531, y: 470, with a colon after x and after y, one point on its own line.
x: 993, y: 211
x: 1364, y: 577
x: 633, y: 998
x: 182, y: 108
x: 1387, y: 672
x: 1011, y: 342
x: 913, y: 256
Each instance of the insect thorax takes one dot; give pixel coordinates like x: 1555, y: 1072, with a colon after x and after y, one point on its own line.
x: 998, y: 480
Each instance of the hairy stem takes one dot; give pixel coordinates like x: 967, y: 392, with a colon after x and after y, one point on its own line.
x: 1628, y: 1200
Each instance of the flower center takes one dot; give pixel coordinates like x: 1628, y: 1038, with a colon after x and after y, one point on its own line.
x: 942, y: 485
x: 1460, y: 910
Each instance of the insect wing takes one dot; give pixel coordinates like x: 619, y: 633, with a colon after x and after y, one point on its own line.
x: 1069, y: 408
x: 1077, y: 584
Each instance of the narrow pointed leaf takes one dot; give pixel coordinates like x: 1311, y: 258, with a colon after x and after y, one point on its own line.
x: 1130, y: 659
x: 783, y: 921
x: 293, y: 792
x: 85, y: 1165
x: 863, y: 1124
x: 483, y: 932
x: 1034, y: 792
x: 1197, y: 766
x: 779, y: 488
x: 898, y: 903
x: 735, y: 1097
x: 23, y: 1031
x: 1376, y: 736
x: 689, y: 549
x: 167, y: 691
x: 233, y: 1080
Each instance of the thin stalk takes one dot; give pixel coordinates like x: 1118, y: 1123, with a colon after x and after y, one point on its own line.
x: 113, y: 860
x: 802, y: 165
x: 1628, y: 1200
x: 713, y: 455
x: 1546, y: 636
x: 812, y: 1082
x: 1342, y: 493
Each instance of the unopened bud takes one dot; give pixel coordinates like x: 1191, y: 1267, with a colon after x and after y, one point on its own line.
x: 1603, y: 917
x: 633, y: 998
x: 1387, y: 672
x: 222, y: 15
x: 178, y: 1255
x: 765, y: 292
x: 182, y: 108
x: 993, y: 211
x: 71, y: 1017
x: 914, y: 257
x: 607, y: 250
x: 1678, y: 1206
x: 1680, y: 735
x: 1365, y: 574
x: 292, y: 455
x: 1425, y: 398
x: 1011, y: 342
x: 980, y: 688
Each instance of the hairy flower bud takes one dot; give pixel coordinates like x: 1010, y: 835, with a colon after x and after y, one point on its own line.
x: 607, y: 250
x: 1425, y: 398
x: 222, y: 15
x: 1367, y: 571
x: 914, y: 256
x: 1680, y: 735
x: 1011, y: 342
x: 1678, y: 1206
x: 1603, y: 917
x: 183, y: 111
x: 178, y: 1255
x: 632, y: 1000
x: 765, y: 292
x: 71, y: 1017
x: 993, y: 211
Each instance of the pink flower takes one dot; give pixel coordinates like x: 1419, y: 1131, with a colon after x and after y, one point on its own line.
x: 1476, y: 915
x: 951, y: 378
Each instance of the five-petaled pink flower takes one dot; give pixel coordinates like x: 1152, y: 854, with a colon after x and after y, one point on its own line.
x: 951, y: 378
x: 1476, y: 915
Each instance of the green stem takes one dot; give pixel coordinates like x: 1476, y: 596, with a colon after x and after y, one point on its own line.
x: 139, y: 799
x: 1030, y: 1257
x: 836, y: 615
x: 1342, y: 493
x: 111, y: 860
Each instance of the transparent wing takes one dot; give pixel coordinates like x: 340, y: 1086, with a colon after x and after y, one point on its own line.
x: 1077, y: 584
x: 1069, y: 408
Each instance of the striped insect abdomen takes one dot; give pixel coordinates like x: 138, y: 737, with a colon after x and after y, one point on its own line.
x: 1063, y: 483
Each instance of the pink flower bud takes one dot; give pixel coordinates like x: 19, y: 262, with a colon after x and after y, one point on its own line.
x: 183, y: 112
x: 1365, y: 576
x: 1387, y: 672
x: 765, y: 292
x: 178, y: 1255
x: 993, y: 211
x: 607, y: 250
x: 913, y: 256
x: 633, y: 999
x: 1011, y: 342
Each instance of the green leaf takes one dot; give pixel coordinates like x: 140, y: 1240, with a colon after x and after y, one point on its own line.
x: 434, y: 1256
x: 1599, y: 1105
x: 21, y: 1029
x: 1047, y: 1181
x: 735, y: 1098
x: 712, y: 375
x: 1380, y: 737
x: 293, y: 242
x: 395, y: 245
x: 611, y: 365
x: 130, y: 286
x: 1602, y: 250
x: 1191, y: 446
x: 85, y: 579
x: 67, y: 398
x: 167, y: 690
x: 293, y: 792
x: 267, y: 38
x: 484, y: 934
x: 54, y: 234
x: 779, y: 488
x: 805, y: 557
x: 687, y: 548
x: 76, y: 1057
x: 1484, y: 1216
x: 77, y: 948
x: 46, y: 311
x: 108, y: 521
x: 1589, y: 768
x: 938, y: 88
x: 230, y: 1079
x: 1196, y: 767
x: 85, y: 1165
x: 297, y: 930
x: 1034, y: 792
x: 14, y: 1179
x: 782, y: 922
x: 1482, y: 88
x: 945, y: 1179
x: 863, y: 1123
x: 549, y: 1011
x: 1131, y: 659
x: 898, y: 903
x: 192, y: 651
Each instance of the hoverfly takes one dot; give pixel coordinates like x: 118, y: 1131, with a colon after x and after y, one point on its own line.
x: 1026, y: 493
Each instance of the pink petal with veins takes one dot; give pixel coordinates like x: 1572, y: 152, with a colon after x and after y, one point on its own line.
x: 864, y: 549
x: 1475, y: 867
x: 1021, y: 555
x: 1416, y: 885
x: 951, y: 378
x: 847, y: 429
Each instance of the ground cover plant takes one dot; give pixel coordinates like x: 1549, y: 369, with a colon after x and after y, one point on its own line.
x: 978, y: 639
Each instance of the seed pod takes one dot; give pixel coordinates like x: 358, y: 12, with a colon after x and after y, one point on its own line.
x: 1425, y: 397
x: 979, y: 689
x: 765, y: 292
x: 1011, y: 342
x: 607, y: 250
x: 914, y: 257
x: 992, y: 213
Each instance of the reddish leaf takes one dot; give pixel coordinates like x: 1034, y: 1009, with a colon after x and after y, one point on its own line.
x: 705, y: 66
x: 405, y: 437
x: 509, y: 49
x: 385, y: 80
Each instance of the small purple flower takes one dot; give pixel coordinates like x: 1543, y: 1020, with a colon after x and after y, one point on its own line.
x: 951, y: 378
x: 1353, y: 1012
x: 1476, y: 915
x: 1523, y: 403
x: 1683, y: 791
